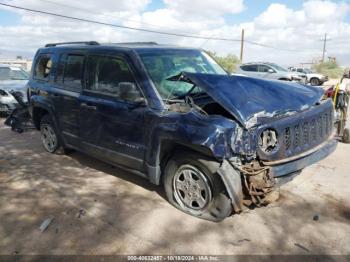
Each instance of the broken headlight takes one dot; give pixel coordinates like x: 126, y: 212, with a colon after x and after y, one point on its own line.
x: 268, y: 141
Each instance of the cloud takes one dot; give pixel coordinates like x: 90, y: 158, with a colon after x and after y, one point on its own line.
x: 211, y: 8
x: 279, y: 26
x: 320, y: 11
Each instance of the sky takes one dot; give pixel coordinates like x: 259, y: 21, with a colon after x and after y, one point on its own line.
x: 287, y: 32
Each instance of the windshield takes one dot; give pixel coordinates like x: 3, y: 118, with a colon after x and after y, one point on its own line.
x: 13, y: 73
x: 279, y: 68
x: 162, y: 64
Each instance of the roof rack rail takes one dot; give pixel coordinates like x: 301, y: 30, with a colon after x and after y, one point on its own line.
x: 73, y: 43
x: 136, y: 43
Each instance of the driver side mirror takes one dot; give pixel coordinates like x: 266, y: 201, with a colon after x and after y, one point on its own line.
x: 128, y: 91
x: 271, y: 71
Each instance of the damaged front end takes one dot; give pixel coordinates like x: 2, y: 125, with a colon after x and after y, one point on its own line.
x: 283, y: 127
x: 248, y: 185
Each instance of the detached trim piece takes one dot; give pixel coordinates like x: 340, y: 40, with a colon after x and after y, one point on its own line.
x: 233, y: 184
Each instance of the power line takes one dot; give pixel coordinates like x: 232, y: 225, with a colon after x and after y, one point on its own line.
x: 97, y: 13
x: 206, y: 38
x: 144, y: 29
x: 115, y: 25
x: 268, y: 46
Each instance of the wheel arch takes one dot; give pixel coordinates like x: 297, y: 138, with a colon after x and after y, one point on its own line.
x: 38, y: 113
x: 39, y: 107
x: 167, y: 149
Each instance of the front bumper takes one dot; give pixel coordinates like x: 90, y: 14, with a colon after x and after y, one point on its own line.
x: 280, y: 170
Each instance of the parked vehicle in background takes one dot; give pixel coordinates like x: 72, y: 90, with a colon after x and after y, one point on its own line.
x: 270, y: 71
x: 216, y: 142
x: 12, y: 79
x: 315, y: 79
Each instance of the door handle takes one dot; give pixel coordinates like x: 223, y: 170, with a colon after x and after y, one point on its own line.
x: 87, y: 106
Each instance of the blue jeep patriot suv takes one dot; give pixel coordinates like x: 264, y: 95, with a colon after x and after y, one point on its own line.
x: 216, y: 142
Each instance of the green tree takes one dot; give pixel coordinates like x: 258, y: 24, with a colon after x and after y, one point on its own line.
x: 329, y: 68
x: 228, y: 62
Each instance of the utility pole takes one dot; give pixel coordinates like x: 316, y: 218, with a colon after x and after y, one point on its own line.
x: 324, y: 46
x: 242, y: 45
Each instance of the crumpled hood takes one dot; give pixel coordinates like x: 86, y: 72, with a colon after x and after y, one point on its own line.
x: 248, y: 99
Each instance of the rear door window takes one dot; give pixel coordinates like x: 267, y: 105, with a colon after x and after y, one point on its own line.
x: 73, y: 71
x: 250, y: 68
x: 70, y: 71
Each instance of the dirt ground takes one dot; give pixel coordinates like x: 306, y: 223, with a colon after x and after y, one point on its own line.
x: 99, y: 209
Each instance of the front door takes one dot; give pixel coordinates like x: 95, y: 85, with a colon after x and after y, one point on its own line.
x: 266, y: 71
x: 112, y: 120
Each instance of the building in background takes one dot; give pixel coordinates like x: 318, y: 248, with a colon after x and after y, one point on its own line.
x: 26, y: 64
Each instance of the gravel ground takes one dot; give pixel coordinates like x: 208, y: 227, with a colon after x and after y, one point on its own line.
x: 99, y: 209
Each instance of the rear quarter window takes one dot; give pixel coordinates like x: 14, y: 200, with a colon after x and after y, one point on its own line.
x: 43, y: 67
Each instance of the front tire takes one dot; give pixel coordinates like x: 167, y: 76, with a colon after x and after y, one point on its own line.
x: 193, y: 186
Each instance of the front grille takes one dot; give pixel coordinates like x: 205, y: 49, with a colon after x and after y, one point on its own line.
x: 297, y: 136
x: 300, y: 132
x: 287, y: 138
x: 307, y: 134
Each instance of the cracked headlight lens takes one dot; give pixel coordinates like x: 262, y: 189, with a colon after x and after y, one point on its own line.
x: 268, y: 141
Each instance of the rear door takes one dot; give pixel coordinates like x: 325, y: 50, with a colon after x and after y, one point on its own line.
x: 112, y: 125
x: 65, y: 93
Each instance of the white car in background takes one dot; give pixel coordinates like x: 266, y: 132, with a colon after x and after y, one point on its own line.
x: 270, y: 71
x: 315, y: 79
x: 12, y: 79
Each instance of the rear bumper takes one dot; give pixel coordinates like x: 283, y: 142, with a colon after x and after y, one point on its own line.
x: 292, y: 167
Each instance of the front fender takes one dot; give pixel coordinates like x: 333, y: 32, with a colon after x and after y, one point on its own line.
x: 202, y: 133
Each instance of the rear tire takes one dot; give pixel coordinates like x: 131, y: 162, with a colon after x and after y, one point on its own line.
x: 193, y: 186
x: 49, y: 136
